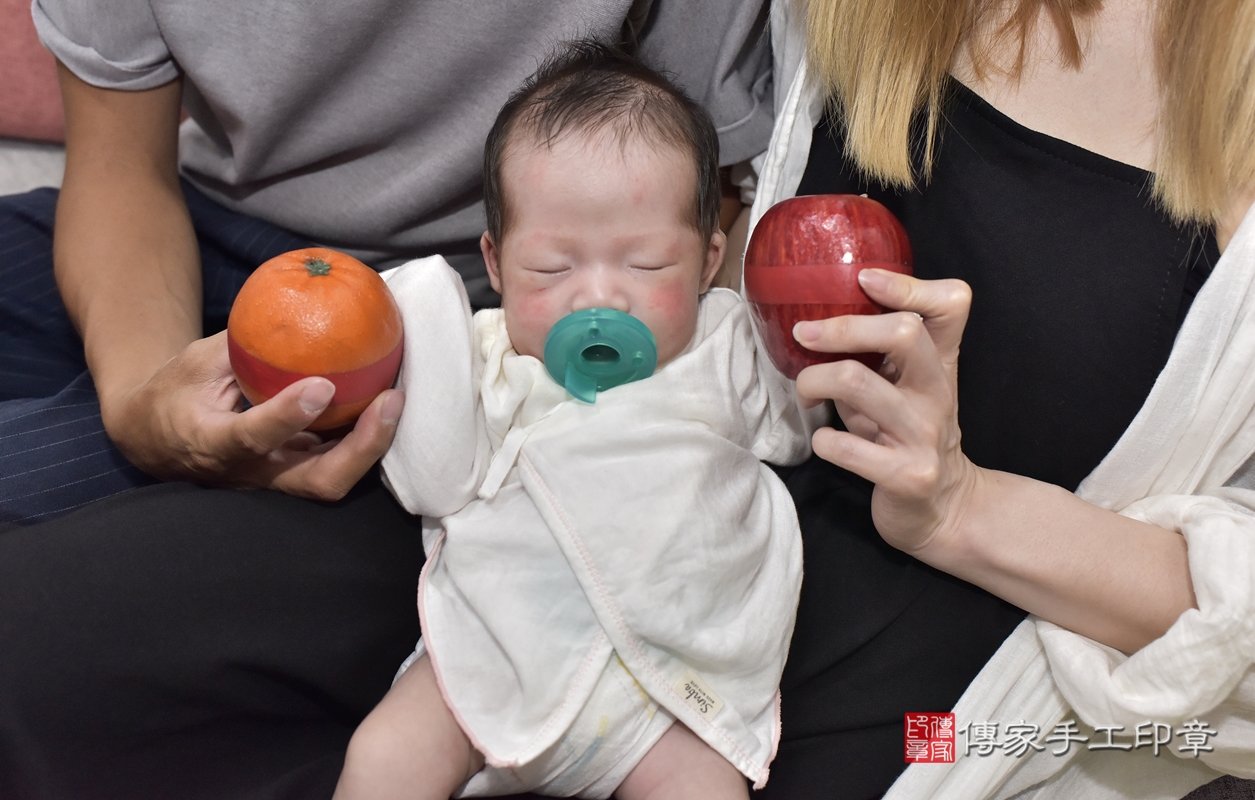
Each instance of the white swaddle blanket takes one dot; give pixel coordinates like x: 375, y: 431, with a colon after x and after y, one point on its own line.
x: 560, y: 533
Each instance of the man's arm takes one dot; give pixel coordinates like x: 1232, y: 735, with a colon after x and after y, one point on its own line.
x: 128, y: 268
x: 125, y: 253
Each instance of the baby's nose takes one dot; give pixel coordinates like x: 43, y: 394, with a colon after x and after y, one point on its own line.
x: 602, y: 287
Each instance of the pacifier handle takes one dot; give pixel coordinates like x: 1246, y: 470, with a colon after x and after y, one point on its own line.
x: 597, y: 349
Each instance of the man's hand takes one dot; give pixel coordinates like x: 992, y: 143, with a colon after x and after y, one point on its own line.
x: 186, y: 423
x: 129, y: 272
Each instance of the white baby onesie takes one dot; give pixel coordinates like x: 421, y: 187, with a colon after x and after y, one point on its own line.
x: 563, y: 536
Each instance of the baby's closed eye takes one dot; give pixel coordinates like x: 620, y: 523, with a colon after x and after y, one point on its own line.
x: 650, y: 267
x: 548, y: 269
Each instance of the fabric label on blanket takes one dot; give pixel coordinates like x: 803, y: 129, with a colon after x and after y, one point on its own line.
x: 698, y: 695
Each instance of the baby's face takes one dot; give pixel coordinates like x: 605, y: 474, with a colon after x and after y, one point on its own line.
x: 596, y: 224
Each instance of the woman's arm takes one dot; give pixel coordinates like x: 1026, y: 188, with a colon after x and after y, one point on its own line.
x: 1105, y: 576
x: 128, y: 268
x: 1116, y: 580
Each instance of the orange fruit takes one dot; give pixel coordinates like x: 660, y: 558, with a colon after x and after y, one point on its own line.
x: 316, y: 312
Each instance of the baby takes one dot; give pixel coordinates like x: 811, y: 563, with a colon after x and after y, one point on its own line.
x: 611, y: 581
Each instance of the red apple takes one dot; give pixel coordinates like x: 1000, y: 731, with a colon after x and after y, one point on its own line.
x: 803, y: 262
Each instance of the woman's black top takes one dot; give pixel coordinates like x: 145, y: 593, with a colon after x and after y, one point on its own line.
x: 1079, y: 283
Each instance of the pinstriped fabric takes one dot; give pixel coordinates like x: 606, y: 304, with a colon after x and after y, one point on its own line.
x: 231, y: 245
x: 40, y: 353
x: 55, y: 456
x: 54, y: 453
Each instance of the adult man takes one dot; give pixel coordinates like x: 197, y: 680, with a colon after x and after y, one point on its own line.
x: 354, y: 125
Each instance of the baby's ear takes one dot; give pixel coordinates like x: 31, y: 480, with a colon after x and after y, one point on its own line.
x: 714, y: 258
x: 489, y: 249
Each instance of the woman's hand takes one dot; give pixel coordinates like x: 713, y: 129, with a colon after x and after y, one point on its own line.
x: 185, y: 423
x: 904, y: 430
x: 1033, y: 544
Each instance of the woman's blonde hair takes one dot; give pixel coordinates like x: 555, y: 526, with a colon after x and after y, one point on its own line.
x: 885, y: 61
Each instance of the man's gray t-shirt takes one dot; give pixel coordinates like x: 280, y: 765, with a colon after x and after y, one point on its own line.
x: 360, y: 123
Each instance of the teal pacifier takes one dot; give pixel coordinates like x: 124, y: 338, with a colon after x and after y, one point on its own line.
x: 597, y: 349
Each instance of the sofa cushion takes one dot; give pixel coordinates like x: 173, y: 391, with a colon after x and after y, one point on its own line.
x: 30, y: 100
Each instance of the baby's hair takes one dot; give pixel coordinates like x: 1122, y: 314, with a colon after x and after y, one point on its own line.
x: 591, y: 86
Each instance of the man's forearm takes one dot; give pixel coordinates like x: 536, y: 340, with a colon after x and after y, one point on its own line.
x: 125, y: 252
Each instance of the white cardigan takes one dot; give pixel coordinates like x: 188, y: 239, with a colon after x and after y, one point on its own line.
x: 1184, y: 464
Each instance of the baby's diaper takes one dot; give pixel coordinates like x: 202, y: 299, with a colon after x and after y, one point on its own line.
x: 610, y: 736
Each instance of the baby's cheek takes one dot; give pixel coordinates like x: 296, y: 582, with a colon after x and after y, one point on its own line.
x: 669, y: 303
x: 528, y: 319
x: 673, y: 313
x: 526, y: 307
